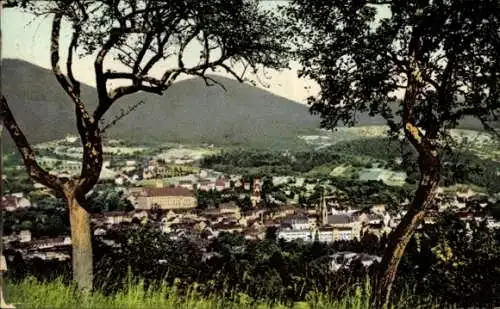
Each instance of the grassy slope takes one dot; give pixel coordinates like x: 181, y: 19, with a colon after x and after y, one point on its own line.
x: 56, y: 295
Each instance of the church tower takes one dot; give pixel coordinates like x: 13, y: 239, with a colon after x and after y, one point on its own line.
x: 324, y: 210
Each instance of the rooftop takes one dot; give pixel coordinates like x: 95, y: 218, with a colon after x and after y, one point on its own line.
x: 167, y: 191
x: 340, y: 219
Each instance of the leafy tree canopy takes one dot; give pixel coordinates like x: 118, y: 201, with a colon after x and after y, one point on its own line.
x: 362, y: 60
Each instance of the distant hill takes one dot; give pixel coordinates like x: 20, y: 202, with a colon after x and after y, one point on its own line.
x: 188, y: 112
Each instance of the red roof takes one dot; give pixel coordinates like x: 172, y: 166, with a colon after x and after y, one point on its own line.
x: 464, y: 214
x: 219, y: 183
x: 9, y: 201
x: 168, y: 191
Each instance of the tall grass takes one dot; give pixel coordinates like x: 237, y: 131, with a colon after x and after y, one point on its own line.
x: 31, y: 293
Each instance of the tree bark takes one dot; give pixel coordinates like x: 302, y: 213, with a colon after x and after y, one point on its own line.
x: 81, y: 238
x: 399, y: 239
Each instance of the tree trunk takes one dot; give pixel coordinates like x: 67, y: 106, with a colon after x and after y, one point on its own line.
x: 81, y: 238
x: 399, y: 239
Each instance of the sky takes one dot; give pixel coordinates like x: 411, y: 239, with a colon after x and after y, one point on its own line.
x: 26, y: 38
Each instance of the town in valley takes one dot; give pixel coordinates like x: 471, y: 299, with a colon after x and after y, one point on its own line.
x: 179, y: 189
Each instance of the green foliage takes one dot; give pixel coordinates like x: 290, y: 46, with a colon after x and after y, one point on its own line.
x: 287, y: 272
x: 49, y: 218
x: 496, y: 211
x: 208, y: 199
x: 31, y: 293
x: 460, y: 163
x: 47, y: 152
x: 108, y: 200
x: 267, y: 162
x: 16, y: 179
x: 360, y: 58
x: 459, y: 258
x: 373, y: 192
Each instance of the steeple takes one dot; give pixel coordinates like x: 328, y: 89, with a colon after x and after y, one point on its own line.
x: 324, y: 211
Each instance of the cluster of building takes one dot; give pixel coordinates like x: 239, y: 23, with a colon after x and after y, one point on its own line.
x: 46, y: 248
x: 291, y: 222
x: 174, y: 210
x: 172, y: 203
x: 330, y: 224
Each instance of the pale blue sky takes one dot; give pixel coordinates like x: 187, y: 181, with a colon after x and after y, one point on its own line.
x: 26, y: 38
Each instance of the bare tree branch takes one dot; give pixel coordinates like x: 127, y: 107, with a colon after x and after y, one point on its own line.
x: 54, y: 53
x: 133, y: 77
x: 121, y: 91
x: 157, y: 57
x: 99, y: 74
x: 105, y: 99
x: 72, y: 89
x: 69, y: 61
x: 402, y: 65
x: 232, y: 72
x: 159, y: 26
x: 122, y: 115
x: 83, y: 10
x: 86, y: 125
x: 144, y: 49
x: 489, y: 128
x: 208, y: 80
x: 36, y: 172
x: 184, y: 44
x: 428, y: 79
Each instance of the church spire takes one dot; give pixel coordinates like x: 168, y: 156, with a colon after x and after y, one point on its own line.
x: 324, y: 211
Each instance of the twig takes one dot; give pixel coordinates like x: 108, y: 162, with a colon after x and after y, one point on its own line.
x: 123, y: 114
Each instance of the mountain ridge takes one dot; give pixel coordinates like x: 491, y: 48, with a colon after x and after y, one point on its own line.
x: 189, y: 111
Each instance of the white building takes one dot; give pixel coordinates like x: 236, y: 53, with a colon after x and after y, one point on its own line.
x: 291, y: 235
x: 71, y: 139
x: 345, y: 234
x: 186, y: 184
x: 297, y: 223
x: 326, y: 235
x: 206, y: 185
x: 130, y: 163
x: 25, y: 236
